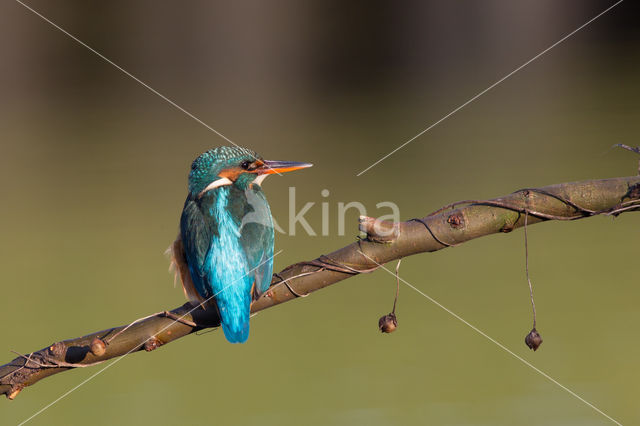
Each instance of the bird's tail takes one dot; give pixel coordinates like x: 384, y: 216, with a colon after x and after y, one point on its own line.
x: 236, y: 333
x: 234, y: 314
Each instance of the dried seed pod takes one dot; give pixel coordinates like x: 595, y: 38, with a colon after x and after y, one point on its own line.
x: 98, y: 347
x: 388, y: 323
x: 533, y: 339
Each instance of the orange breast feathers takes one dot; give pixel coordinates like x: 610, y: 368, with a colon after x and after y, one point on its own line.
x: 180, y: 269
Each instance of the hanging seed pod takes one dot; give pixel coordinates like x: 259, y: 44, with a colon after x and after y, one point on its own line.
x: 388, y: 323
x: 533, y: 339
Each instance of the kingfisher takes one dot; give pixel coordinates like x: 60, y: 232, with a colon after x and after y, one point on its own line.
x: 224, y: 252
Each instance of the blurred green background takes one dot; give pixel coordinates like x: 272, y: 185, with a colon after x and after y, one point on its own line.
x: 93, y: 171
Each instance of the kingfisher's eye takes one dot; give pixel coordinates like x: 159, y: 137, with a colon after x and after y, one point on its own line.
x: 245, y: 165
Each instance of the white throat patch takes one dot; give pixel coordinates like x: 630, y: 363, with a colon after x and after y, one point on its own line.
x: 260, y: 179
x: 216, y: 184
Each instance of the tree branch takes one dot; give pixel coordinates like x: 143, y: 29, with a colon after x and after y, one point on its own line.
x: 384, y: 242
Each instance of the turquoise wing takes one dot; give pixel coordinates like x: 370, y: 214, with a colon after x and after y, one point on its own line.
x: 257, y: 238
x: 197, y: 232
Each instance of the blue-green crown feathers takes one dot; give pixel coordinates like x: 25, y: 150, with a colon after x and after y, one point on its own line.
x: 206, y: 167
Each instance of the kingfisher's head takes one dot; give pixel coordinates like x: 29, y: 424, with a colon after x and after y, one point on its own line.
x: 231, y: 165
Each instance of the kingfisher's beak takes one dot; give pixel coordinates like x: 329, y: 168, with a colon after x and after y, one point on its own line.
x: 271, y: 167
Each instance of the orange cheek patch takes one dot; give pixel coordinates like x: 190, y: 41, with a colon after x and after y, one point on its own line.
x: 231, y: 173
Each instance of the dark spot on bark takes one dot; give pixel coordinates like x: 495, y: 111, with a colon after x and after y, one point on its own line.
x: 455, y: 220
x: 633, y: 193
x: 506, y: 228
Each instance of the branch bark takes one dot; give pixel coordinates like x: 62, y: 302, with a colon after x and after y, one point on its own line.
x: 384, y: 242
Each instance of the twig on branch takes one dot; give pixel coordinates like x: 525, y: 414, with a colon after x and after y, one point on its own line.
x: 385, y: 242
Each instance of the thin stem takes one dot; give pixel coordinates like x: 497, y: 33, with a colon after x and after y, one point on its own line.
x: 526, y: 266
x: 395, y: 301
